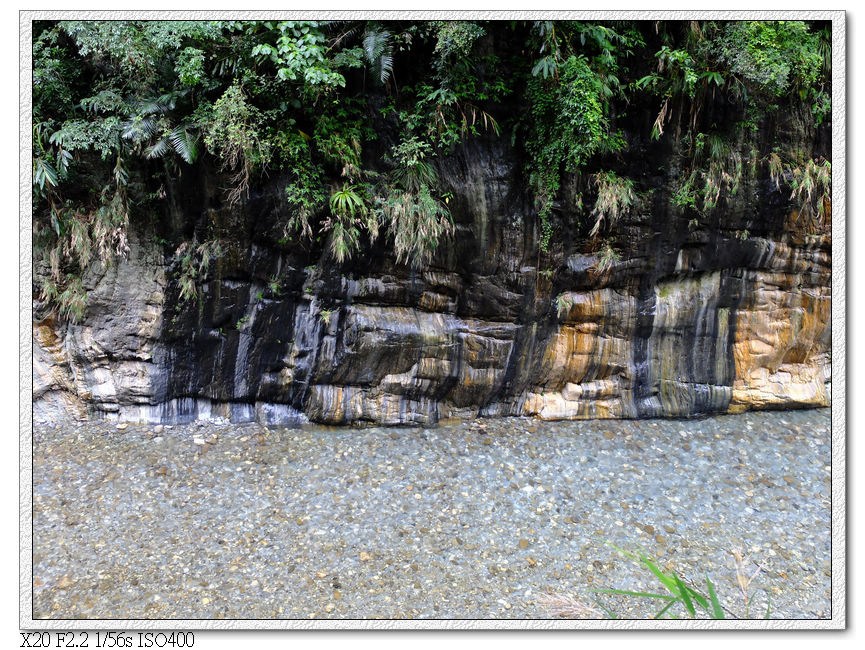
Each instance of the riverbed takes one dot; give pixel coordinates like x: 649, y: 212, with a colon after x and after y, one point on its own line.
x: 468, y: 519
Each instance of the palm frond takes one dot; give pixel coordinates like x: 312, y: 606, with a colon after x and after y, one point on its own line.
x: 378, y: 50
x: 138, y: 128
x: 385, y: 63
x: 160, y: 104
x: 184, y: 142
x: 162, y: 147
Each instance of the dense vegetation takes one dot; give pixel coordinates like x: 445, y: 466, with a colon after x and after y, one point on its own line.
x: 355, y: 115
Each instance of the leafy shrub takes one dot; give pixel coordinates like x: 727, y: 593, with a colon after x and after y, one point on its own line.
x: 771, y: 55
x: 232, y: 131
x: 194, y: 263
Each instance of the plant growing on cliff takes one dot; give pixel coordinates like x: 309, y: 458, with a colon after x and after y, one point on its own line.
x: 715, y: 171
x: 810, y: 183
x: 616, y: 198
x: 753, y: 67
x: 417, y: 220
x: 349, y: 214
x: 131, y: 118
x: 232, y: 128
x: 607, y: 256
x: 194, y: 260
x: 811, y: 186
x: 567, y: 127
x: 563, y: 303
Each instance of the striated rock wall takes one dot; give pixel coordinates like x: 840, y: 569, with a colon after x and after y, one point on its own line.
x: 688, y: 321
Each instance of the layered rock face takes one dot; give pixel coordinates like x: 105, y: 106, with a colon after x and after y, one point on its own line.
x: 726, y: 315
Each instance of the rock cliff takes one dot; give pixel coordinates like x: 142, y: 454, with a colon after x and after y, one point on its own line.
x: 724, y: 315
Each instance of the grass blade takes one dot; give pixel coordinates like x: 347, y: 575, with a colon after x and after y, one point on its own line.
x: 666, y: 607
x: 768, y: 604
x: 607, y: 610
x: 698, y: 598
x: 686, y: 599
x: 717, y: 610
x: 669, y: 582
x: 623, y: 552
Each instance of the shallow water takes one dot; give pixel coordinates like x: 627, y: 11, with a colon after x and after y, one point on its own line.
x: 465, y: 520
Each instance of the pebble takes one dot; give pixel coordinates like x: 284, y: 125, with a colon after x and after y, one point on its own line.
x: 259, y: 522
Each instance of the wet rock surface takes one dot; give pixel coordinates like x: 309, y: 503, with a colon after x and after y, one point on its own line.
x: 473, y: 519
x: 690, y: 319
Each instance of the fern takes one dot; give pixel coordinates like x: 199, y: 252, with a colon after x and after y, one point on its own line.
x: 378, y: 50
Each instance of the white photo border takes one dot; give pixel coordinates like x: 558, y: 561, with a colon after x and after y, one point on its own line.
x: 838, y: 301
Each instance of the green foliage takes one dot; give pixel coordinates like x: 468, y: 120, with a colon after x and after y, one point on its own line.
x: 232, y: 128
x: 418, y: 222
x: 716, y: 172
x: 810, y: 185
x: 77, y: 238
x: 563, y: 303
x: 680, y: 597
x: 300, y: 54
x: 608, y: 256
x: 121, y: 109
x: 378, y: 51
x: 273, y: 285
x: 616, y: 197
x: 772, y: 56
x: 304, y: 194
x: 194, y: 262
x: 417, y: 219
x: 338, y: 135
x: 454, y: 40
x: 350, y: 215
x: 190, y: 66
x: 413, y: 171
x: 568, y: 125
x: 812, y: 188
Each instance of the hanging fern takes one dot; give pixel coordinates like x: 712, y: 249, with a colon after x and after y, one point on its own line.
x: 378, y: 50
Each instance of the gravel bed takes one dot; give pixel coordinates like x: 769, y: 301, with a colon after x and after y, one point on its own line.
x: 473, y: 519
